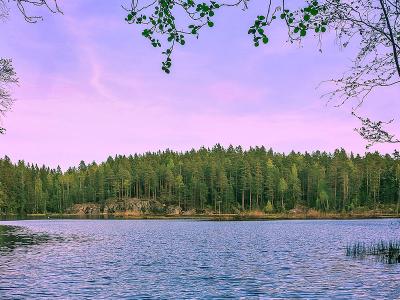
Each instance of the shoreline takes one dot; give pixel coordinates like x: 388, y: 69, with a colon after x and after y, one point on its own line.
x: 208, y: 217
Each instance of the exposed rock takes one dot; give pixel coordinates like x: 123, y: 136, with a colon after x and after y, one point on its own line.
x: 157, y: 207
x: 85, y: 209
x: 208, y: 211
x: 298, y: 210
x: 133, y: 205
x: 189, y: 212
x: 126, y: 206
x: 174, y: 210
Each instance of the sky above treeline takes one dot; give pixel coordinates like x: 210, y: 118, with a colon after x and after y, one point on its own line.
x: 91, y: 86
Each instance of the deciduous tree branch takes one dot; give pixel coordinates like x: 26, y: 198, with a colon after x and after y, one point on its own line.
x: 8, y: 75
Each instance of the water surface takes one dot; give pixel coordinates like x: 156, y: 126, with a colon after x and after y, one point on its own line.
x: 181, y: 259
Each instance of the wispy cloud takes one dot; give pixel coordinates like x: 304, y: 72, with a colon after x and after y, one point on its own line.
x: 93, y: 87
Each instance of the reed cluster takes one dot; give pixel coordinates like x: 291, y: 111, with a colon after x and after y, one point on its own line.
x: 387, y: 252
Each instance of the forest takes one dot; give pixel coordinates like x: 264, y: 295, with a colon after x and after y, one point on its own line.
x: 224, y: 180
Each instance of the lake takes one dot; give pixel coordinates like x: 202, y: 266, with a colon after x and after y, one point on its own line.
x: 186, y: 259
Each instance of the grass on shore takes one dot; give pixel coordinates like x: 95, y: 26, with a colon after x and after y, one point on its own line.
x: 247, y: 215
x: 250, y: 215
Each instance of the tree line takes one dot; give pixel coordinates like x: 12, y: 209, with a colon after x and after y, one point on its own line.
x: 226, y: 180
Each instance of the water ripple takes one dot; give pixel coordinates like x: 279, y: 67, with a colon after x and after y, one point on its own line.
x: 150, y: 259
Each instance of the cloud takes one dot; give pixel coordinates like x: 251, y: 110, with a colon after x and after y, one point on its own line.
x: 103, y: 93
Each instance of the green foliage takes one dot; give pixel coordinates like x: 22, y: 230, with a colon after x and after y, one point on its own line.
x: 162, y: 26
x: 299, y: 22
x: 229, y: 179
x: 161, y: 22
x: 3, y: 202
x: 282, y: 189
x: 323, y: 200
x: 269, y: 208
x: 257, y: 30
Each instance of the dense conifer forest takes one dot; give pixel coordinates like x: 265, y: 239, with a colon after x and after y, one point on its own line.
x: 222, y: 180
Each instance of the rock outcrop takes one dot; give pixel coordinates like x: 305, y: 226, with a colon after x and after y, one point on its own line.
x: 131, y: 205
x: 190, y: 212
x: 174, y: 210
x: 85, y: 209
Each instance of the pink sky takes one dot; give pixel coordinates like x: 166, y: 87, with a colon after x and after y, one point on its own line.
x: 91, y: 87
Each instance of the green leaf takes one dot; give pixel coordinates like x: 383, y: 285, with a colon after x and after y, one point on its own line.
x: 265, y: 40
x: 307, y: 17
x: 303, y: 32
x: 210, y: 24
x: 146, y: 33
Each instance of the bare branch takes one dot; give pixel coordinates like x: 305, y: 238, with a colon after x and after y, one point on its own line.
x: 373, y: 132
x: 7, y: 73
x: 7, y: 78
x: 22, y: 5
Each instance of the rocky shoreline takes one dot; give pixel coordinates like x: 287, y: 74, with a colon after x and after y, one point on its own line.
x: 128, y: 206
x: 134, y: 208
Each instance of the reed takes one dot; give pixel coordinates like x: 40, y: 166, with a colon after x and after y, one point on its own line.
x: 387, y: 252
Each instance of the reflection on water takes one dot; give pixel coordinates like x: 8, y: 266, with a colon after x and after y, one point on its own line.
x: 12, y: 237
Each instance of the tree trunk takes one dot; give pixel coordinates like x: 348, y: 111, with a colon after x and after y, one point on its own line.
x: 243, y: 200
x: 250, y: 200
x: 257, y: 201
x: 391, y: 37
x: 398, y: 199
